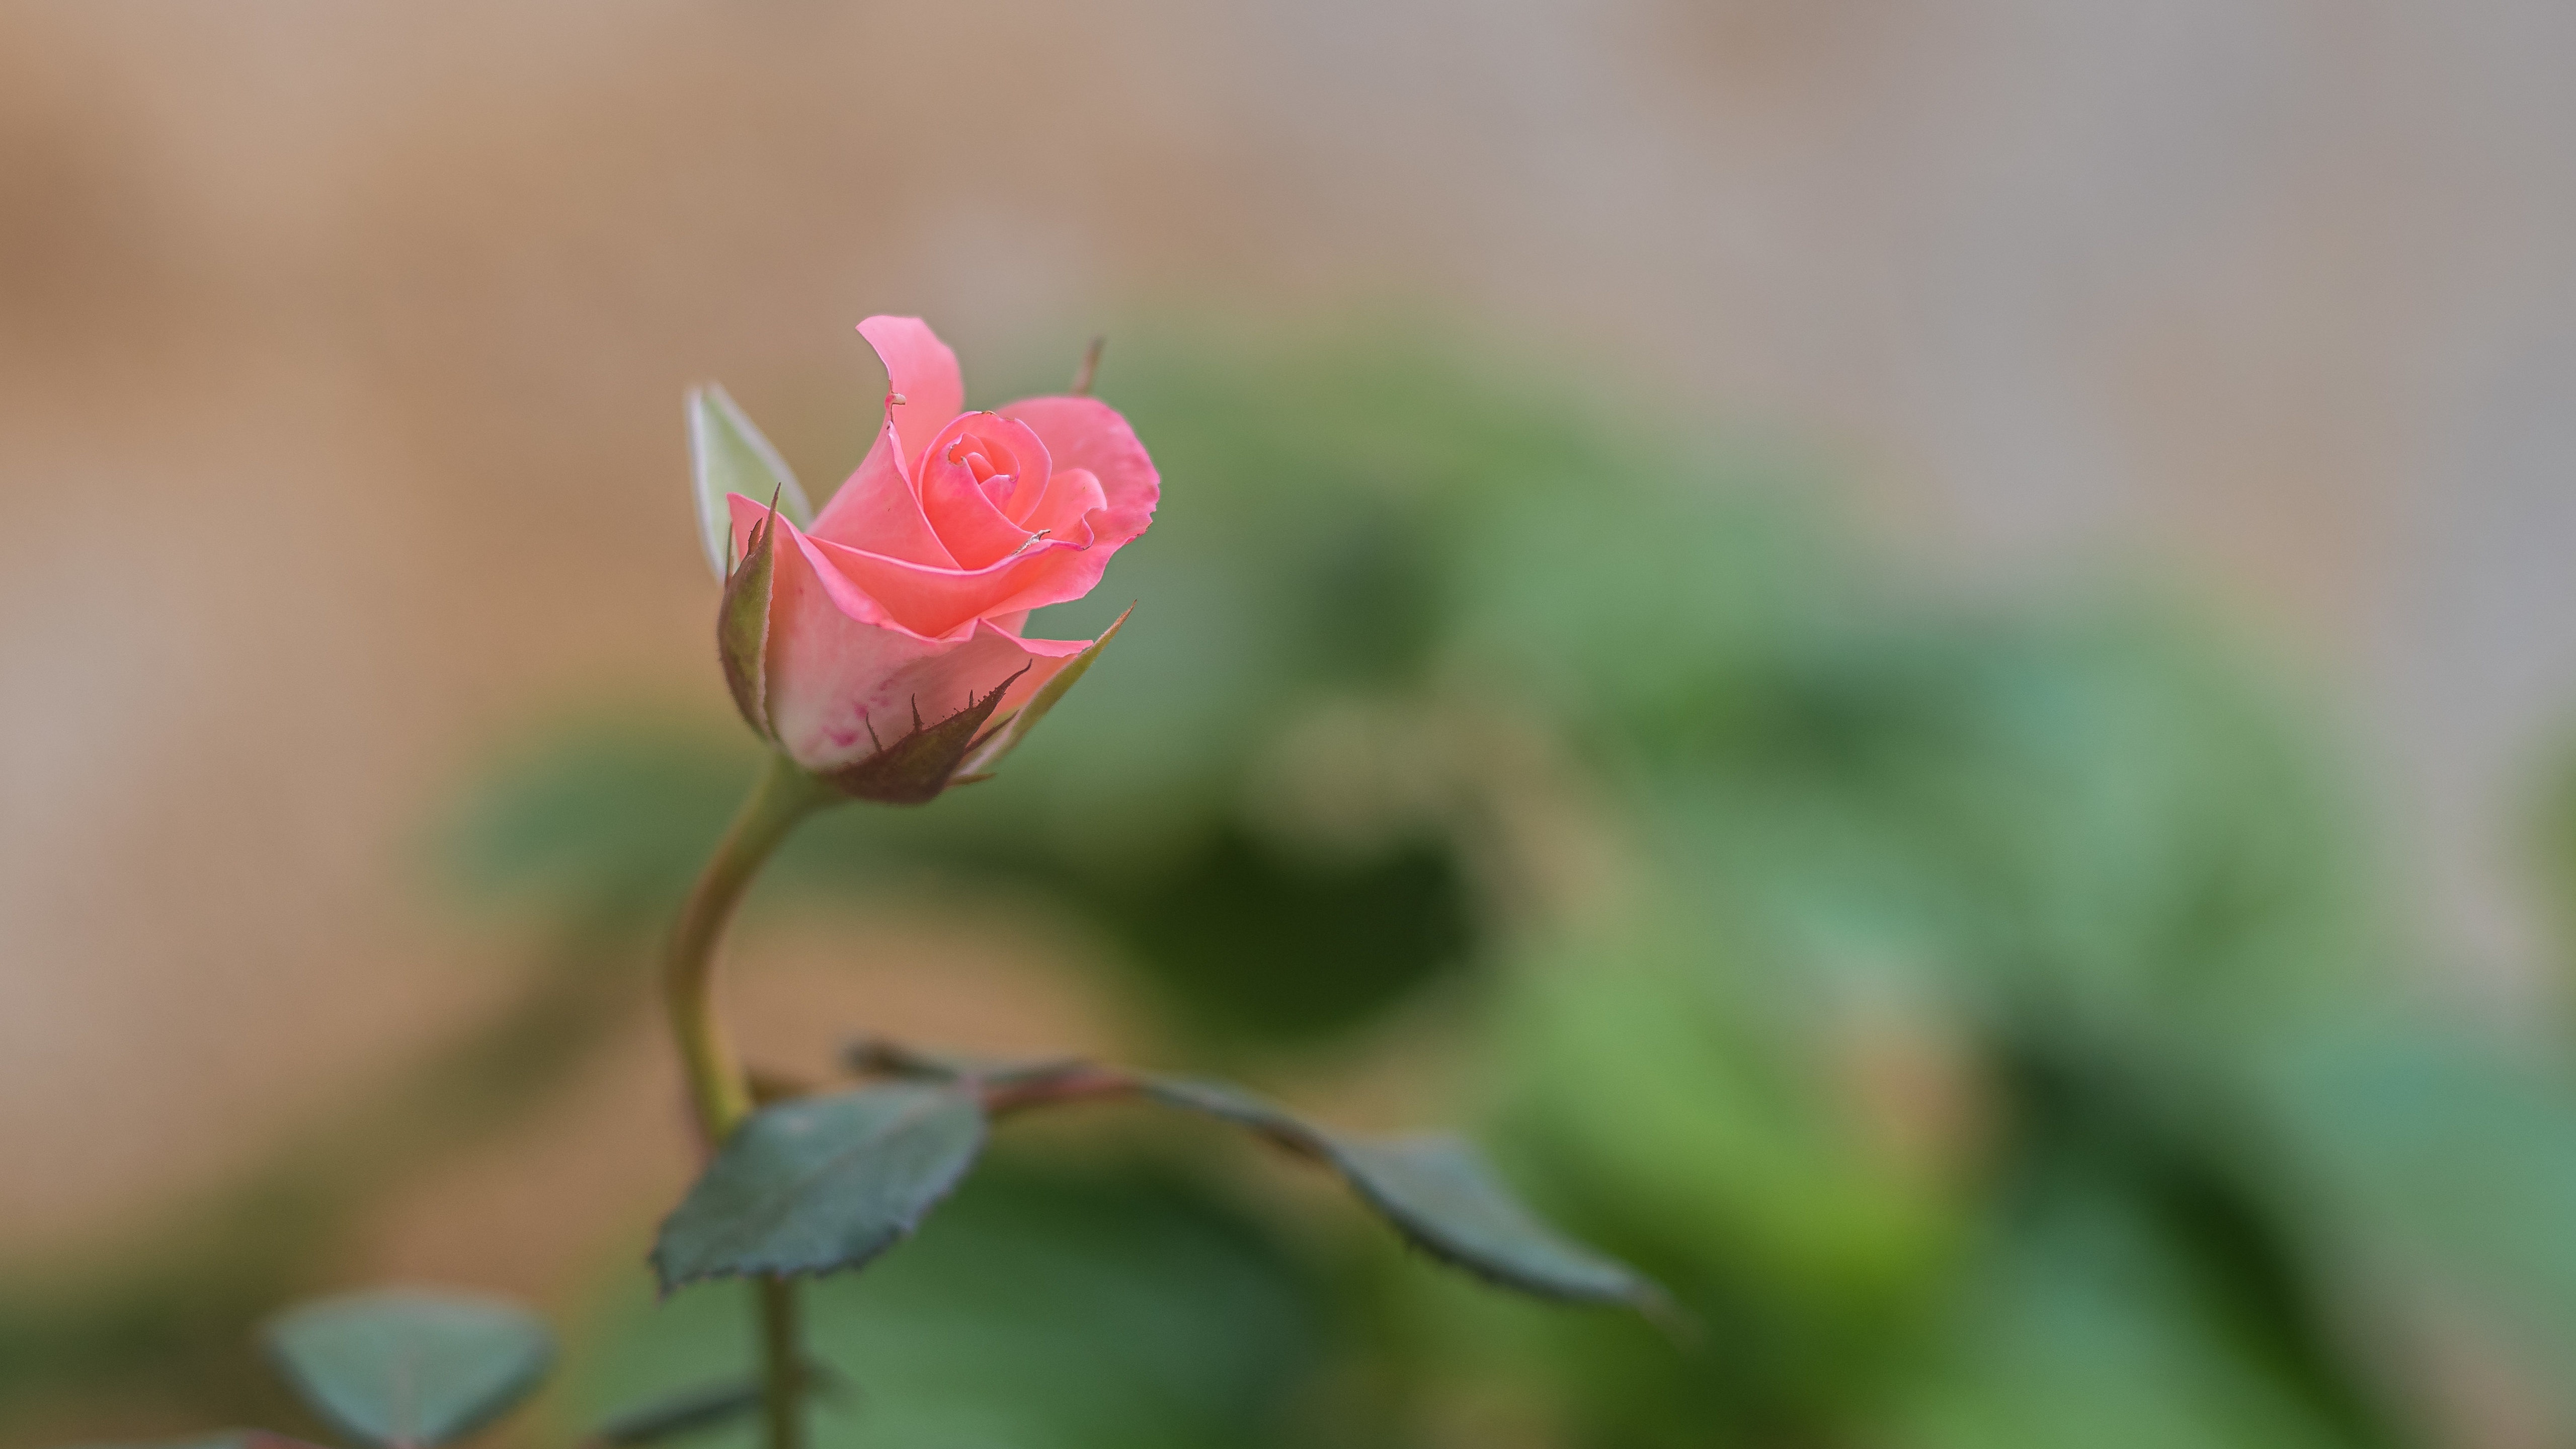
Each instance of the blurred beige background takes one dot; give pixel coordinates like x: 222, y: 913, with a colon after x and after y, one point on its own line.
x: 341, y: 348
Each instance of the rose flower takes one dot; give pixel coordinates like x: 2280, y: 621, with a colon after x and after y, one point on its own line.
x: 873, y: 646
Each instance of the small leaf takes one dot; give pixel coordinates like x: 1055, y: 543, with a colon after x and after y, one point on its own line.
x: 729, y: 455
x: 989, y: 751
x: 1444, y: 1199
x: 694, y: 1411
x: 409, y: 1368
x: 1437, y: 1192
x: 822, y: 1183
x: 742, y: 626
x: 923, y: 762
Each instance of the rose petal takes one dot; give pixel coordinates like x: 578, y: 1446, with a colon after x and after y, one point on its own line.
x: 878, y: 511
x: 844, y: 595
x: 935, y: 603
x: 835, y: 679
x: 958, y: 504
x: 923, y: 372
x: 1071, y: 501
x: 1083, y: 432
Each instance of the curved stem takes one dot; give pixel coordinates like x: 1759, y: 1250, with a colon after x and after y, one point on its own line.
x: 718, y: 1088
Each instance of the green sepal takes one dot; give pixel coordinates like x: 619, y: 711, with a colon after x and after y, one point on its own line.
x: 1436, y: 1191
x: 728, y: 455
x: 989, y: 751
x: 742, y: 625
x: 924, y: 760
x: 410, y: 1368
x: 818, y: 1184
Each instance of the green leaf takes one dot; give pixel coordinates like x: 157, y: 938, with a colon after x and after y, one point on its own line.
x: 923, y: 762
x: 730, y: 456
x: 1008, y: 735
x: 742, y: 626
x: 1436, y: 1191
x: 410, y: 1368
x: 1440, y: 1194
x: 822, y: 1183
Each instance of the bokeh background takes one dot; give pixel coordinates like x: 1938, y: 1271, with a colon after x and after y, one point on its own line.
x: 1912, y: 654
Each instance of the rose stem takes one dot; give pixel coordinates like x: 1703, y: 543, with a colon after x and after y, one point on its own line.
x: 782, y: 1363
x: 718, y: 1087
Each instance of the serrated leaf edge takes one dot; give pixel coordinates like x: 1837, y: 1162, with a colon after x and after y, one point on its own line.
x: 904, y: 1227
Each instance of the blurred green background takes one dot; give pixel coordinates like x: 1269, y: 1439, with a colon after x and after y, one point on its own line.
x: 1987, y: 1018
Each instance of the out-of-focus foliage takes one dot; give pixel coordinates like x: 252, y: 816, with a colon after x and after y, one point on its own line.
x: 398, y: 1368
x: 1983, y: 1019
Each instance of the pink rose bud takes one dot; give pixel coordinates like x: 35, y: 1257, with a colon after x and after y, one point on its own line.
x: 879, y: 646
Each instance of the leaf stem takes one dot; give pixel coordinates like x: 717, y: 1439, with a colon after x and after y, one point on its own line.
x: 719, y: 1089
x: 1081, y: 1082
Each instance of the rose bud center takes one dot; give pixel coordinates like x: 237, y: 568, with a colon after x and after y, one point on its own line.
x: 995, y: 469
